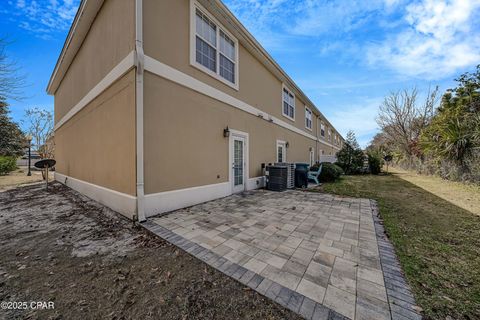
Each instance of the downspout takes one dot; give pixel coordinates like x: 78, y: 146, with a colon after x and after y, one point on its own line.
x: 316, y: 140
x: 139, y: 64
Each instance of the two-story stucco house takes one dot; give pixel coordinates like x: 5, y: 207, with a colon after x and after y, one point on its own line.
x: 164, y: 104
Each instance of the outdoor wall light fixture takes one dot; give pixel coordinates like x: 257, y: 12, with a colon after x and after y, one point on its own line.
x: 287, y: 144
x: 226, y: 132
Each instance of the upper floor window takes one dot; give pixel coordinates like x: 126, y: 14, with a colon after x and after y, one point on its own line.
x: 322, y: 130
x: 308, y: 118
x: 329, y: 135
x: 288, y: 109
x: 213, y: 49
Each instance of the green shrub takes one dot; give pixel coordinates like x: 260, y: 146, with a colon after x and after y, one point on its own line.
x: 7, y: 164
x: 330, y: 172
x: 339, y: 170
x: 375, y: 162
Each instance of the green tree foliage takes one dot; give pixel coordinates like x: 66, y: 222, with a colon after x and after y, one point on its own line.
x: 7, y: 164
x: 11, y: 137
x: 351, y: 158
x: 12, y: 141
x: 454, y: 131
x: 375, y: 161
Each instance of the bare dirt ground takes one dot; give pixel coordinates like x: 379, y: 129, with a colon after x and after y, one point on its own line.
x: 93, y: 264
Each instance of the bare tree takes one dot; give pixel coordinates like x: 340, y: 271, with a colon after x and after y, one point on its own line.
x: 11, y: 81
x: 402, y: 119
x: 40, y: 128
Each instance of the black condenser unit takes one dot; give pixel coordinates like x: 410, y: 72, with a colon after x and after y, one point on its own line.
x: 277, y: 178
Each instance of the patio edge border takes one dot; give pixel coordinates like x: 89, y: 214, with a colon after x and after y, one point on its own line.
x: 400, y: 297
x: 284, y: 296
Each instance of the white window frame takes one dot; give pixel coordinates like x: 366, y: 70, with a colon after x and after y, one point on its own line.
x: 284, y: 87
x: 194, y: 5
x: 308, y: 110
x: 322, y: 127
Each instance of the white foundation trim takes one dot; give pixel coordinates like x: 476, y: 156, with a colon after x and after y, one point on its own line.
x: 120, y: 202
x: 118, y: 71
x: 156, y: 67
x: 157, y: 203
x: 255, y: 183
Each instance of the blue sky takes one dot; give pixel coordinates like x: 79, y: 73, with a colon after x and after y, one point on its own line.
x: 345, y: 55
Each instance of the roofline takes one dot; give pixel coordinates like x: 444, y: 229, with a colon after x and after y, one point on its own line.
x: 70, y: 34
x: 75, y: 36
x: 86, y: 13
x: 270, y: 59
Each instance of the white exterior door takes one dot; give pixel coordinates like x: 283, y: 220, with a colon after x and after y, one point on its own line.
x: 238, y: 165
x: 281, y: 151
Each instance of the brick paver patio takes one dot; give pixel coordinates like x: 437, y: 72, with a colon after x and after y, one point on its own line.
x: 320, y: 255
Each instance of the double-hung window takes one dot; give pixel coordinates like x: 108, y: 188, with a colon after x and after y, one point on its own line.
x: 288, y: 109
x: 322, y: 130
x: 215, y: 51
x: 308, y: 118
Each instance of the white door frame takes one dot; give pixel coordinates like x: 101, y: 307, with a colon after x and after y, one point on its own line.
x: 283, y: 144
x: 246, y: 156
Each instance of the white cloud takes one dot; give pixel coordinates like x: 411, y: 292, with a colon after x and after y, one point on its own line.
x: 358, y: 117
x: 440, y: 39
x: 44, y: 17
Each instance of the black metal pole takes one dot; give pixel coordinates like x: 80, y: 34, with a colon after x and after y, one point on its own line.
x: 29, y: 157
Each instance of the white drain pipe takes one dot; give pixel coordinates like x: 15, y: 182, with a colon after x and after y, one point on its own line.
x: 139, y: 64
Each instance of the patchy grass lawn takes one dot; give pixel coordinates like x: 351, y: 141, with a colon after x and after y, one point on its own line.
x: 437, y: 242
x: 466, y: 196
x: 62, y: 247
x: 19, y: 177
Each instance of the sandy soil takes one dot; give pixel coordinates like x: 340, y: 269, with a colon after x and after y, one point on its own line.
x: 94, y: 264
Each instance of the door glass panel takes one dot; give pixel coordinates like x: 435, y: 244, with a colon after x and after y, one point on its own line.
x: 279, y: 154
x: 238, y: 162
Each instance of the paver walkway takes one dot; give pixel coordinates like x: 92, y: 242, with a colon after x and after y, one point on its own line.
x: 317, y: 254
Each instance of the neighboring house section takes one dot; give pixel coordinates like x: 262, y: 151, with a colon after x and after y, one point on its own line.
x: 164, y: 104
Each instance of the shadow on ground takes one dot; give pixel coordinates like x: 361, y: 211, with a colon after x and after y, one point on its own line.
x: 437, y: 242
x: 93, y: 264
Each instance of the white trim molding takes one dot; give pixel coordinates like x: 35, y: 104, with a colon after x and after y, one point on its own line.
x: 116, y: 73
x: 167, y: 201
x: 160, y: 69
x: 117, y: 201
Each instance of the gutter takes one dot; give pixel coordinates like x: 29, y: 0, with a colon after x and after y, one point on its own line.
x: 139, y: 64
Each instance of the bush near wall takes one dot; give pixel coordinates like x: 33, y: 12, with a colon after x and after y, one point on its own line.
x: 7, y: 164
x: 330, y: 172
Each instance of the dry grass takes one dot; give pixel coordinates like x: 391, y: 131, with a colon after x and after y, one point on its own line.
x: 19, y: 177
x: 437, y: 241
x: 465, y: 196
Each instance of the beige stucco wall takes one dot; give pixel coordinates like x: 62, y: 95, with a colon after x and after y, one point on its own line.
x: 184, y: 143
x: 110, y: 39
x: 97, y: 145
x: 257, y: 85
